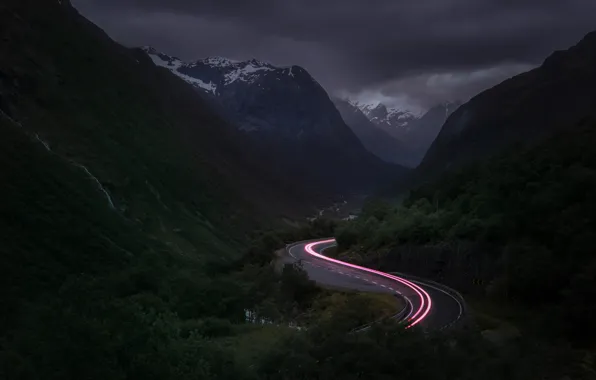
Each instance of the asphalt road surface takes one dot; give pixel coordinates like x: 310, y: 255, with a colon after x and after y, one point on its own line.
x: 431, y: 307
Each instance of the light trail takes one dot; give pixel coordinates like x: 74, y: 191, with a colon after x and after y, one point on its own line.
x: 425, y: 300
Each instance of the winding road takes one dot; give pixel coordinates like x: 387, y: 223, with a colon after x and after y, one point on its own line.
x: 430, y: 305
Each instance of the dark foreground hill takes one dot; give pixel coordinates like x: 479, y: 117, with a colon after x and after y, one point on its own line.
x: 117, y: 202
x: 523, y: 109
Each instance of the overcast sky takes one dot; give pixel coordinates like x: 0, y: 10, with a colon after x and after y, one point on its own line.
x: 408, y: 53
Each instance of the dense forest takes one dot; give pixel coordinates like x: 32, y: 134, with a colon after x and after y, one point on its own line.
x: 519, y: 228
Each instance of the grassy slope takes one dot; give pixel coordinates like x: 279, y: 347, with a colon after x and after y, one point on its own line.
x: 86, y: 293
x: 91, y: 291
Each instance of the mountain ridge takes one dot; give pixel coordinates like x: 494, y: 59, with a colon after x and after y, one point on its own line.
x: 375, y: 139
x: 286, y: 112
x: 391, y: 120
x: 412, y: 134
x: 522, y: 109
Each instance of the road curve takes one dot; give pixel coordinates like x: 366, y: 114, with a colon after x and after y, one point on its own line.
x: 431, y: 307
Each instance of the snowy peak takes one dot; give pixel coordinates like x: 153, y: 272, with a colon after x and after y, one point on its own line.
x: 359, y: 105
x: 380, y: 115
x: 162, y: 59
x: 415, y: 131
x: 370, y: 109
x: 213, y: 74
x: 175, y: 65
x: 218, y: 62
x: 252, y: 94
x: 248, y: 71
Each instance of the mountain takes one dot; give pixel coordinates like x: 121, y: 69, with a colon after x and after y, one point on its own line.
x: 285, y: 112
x: 424, y: 130
x: 391, y: 120
x: 126, y: 202
x: 122, y: 193
x: 414, y: 133
x: 524, y: 220
x: 523, y: 109
x: 375, y: 140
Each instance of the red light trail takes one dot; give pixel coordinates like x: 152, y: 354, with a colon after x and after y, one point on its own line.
x: 425, y: 300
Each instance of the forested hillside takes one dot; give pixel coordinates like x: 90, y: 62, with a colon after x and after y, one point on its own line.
x: 523, y: 109
x: 519, y: 228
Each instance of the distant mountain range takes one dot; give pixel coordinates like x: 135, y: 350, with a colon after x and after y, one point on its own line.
x: 524, y: 109
x: 393, y: 120
x: 287, y: 113
x: 405, y: 136
x: 376, y: 140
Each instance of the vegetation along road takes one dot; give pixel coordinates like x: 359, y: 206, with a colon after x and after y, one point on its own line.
x: 429, y: 305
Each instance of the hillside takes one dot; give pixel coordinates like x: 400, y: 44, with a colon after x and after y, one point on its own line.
x: 424, y: 130
x: 523, y: 109
x: 286, y: 113
x: 391, y: 120
x: 517, y: 229
x: 374, y: 139
x: 203, y: 158
x: 124, y: 196
x: 414, y: 133
x: 112, y: 224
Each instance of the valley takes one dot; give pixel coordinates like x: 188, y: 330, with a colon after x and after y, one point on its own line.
x: 150, y: 202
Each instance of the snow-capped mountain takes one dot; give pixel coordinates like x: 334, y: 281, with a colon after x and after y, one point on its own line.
x: 178, y: 67
x: 213, y: 74
x: 387, y: 118
x: 416, y: 131
x: 254, y: 95
x: 376, y: 140
x: 285, y: 111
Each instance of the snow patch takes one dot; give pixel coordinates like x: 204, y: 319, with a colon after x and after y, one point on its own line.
x: 246, y: 73
x: 219, y: 62
x: 231, y: 70
x: 160, y: 60
x: 173, y: 64
x: 394, y: 117
x: 364, y: 107
x: 209, y: 87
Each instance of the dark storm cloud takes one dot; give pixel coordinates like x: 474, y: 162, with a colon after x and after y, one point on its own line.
x: 393, y: 48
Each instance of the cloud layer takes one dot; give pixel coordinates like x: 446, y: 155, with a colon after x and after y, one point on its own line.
x: 406, y: 52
